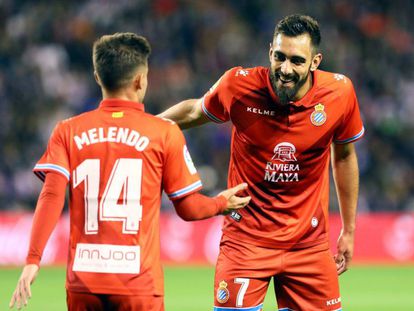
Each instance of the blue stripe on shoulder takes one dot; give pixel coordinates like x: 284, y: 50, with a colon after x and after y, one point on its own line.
x: 209, y: 114
x: 348, y: 140
x: 52, y: 167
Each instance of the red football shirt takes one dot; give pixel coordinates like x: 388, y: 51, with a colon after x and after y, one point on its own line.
x: 118, y: 160
x: 283, y: 153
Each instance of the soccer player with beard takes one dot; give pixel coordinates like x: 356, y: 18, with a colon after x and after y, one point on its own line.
x: 289, y: 122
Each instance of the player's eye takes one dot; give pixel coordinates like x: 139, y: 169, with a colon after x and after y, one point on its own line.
x: 279, y: 57
x: 298, y: 60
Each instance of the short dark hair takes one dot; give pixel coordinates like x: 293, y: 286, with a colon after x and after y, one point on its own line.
x: 296, y: 25
x: 117, y: 57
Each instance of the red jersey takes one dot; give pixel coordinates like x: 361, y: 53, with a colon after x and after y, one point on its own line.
x: 118, y: 160
x: 283, y: 153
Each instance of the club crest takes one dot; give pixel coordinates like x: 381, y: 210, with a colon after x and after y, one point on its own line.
x: 318, y: 117
x: 222, y: 292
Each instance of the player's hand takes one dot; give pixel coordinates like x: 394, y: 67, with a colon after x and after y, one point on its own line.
x: 22, y: 292
x: 345, y: 251
x: 234, y: 202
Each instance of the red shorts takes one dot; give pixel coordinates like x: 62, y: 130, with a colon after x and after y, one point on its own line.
x: 304, y: 279
x: 101, y: 302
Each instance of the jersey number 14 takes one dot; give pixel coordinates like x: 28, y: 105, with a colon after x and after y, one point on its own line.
x: 124, y: 185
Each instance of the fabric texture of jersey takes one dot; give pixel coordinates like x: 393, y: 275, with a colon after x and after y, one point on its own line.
x: 283, y: 153
x: 118, y: 159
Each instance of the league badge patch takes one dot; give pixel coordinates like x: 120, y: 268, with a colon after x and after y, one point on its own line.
x: 318, y: 117
x: 189, y: 161
x: 222, y: 292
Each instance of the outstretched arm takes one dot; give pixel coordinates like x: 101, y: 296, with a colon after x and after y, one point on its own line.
x: 186, y: 114
x: 48, y: 210
x: 346, y: 177
x: 197, y: 206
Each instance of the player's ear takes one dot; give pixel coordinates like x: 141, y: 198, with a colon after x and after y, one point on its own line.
x: 316, y: 61
x: 270, y: 51
x: 137, y: 81
x: 140, y: 80
x: 95, y: 74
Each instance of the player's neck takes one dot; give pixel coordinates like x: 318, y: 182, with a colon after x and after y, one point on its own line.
x: 124, y: 94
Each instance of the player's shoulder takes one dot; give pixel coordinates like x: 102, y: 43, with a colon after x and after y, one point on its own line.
x: 72, y: 121
x: 79, y: 118
x: 163, y: 126
x: 246, y: 73
x: 334, y: 81
x: 245, y: 77
x: 160, y: 122
x: 167, y: 131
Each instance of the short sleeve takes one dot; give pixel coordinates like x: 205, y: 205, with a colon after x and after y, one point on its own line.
x: 180, y: 177
x: 55, y: 157
x: 351, y: 128
x: 217, y: 101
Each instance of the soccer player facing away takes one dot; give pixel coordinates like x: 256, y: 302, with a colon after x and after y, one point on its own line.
x: 289, y: 122
x: 116, y: 159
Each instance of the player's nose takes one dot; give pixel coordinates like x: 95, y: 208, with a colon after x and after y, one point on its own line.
x: 286, y: 68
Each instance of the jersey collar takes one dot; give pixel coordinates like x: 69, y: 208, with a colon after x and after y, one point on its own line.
x: 120, y: 103
x: 305, y: 101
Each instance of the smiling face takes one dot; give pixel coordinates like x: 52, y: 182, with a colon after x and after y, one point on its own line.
x: 292, y: 58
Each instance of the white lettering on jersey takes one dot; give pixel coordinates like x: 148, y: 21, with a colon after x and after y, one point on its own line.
x: 112, y: 134
x: 282, y: 167
x: 282, y: 172
x: 261, y: 111
x: 107, y: 258
x: 281, y: 177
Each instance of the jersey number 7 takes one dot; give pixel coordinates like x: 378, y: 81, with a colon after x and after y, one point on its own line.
x: 123, y: 185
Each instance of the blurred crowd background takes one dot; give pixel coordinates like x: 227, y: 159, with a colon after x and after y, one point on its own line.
x: 46, y: 75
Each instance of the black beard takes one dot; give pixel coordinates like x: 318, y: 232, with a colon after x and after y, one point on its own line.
x: 286, y: 95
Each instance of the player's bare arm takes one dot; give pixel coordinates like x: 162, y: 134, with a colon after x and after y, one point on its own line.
x: 186, y: 114
x: 23, y: 293
x: 48, y: 210
x: 346, y: 177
